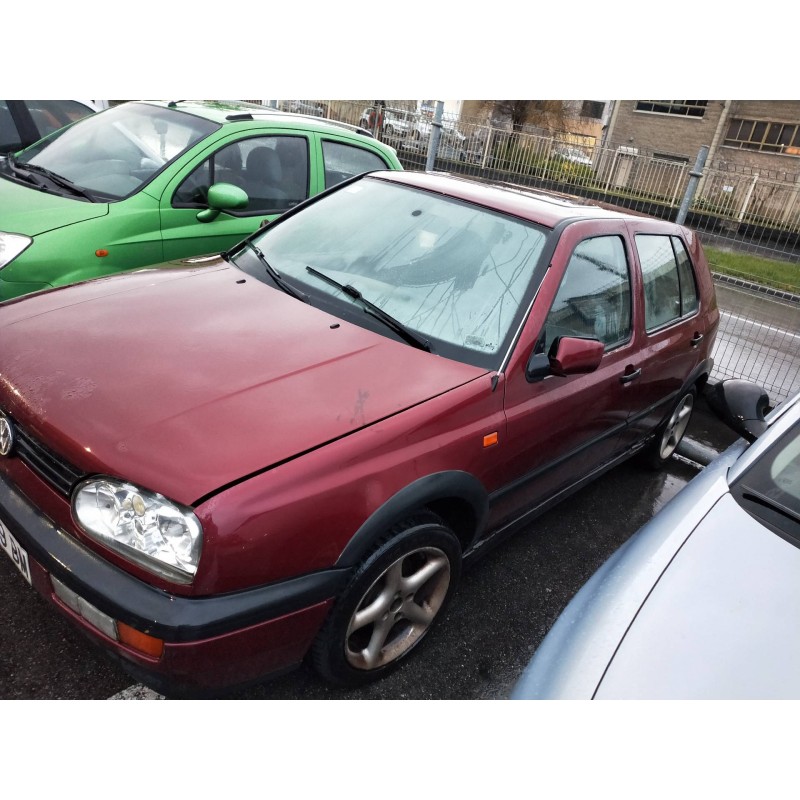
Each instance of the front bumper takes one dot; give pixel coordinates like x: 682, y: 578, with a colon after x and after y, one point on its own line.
x: 210, y: 643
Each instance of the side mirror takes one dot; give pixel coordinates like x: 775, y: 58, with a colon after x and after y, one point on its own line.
x: 741, y: 405
x: 569, y: 355
x: 222, y: 197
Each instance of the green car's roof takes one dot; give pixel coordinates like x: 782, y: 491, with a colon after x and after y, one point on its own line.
x: 229, y: 112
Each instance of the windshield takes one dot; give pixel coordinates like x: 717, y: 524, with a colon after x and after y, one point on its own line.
x: 112, y: 154
x: 770, y: 488
x: 457, y: 274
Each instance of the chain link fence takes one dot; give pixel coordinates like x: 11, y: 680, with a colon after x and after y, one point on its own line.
x: 735, y: 210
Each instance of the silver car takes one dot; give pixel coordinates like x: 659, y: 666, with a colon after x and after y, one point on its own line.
x: 704, y: 601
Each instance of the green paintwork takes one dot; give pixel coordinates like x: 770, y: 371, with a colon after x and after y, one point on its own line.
x: 144, y: 228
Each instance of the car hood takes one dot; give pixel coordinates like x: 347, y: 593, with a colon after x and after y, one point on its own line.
x: 185, y: 380
x: 27, y: 210
x: 720, y: 623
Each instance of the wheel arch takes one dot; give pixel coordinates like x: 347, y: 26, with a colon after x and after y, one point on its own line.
x: 458, y: 498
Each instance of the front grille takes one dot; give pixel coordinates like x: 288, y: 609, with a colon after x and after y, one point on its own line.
x: 49, y: 466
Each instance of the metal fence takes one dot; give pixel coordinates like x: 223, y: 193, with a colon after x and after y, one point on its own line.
x: 733, y: 209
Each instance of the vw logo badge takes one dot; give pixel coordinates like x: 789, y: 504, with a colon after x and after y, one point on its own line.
x: 6, y: 436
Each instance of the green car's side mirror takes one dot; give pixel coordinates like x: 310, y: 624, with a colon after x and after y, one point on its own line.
x: 222, y: 197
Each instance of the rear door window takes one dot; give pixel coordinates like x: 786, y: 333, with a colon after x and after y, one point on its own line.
x: 670, y: 291
x: 342, y: 161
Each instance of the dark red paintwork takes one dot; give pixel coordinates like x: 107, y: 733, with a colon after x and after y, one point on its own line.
x: 289, y: 429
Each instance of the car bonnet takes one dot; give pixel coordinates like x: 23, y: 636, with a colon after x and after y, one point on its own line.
x: 721, y: 623
x: 186, y: 380
x: 30, y: 211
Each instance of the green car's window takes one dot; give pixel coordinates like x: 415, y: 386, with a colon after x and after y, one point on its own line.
x: 594, y: 299
x: 272, y: 170
x: 114, y: 153
x: 342, y: 161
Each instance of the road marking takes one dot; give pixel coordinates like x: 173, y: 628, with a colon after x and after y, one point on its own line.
x: 137, y: 692
x: 772, y: 328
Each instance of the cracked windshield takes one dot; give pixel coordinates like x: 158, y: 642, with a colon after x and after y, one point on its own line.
x: 453, y: 272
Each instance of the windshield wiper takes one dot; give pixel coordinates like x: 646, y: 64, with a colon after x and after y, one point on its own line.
x: 23, y: 173
x: 760, y: 499
x: 375, y: 311
x: 275, y: 275
x: 57, y: 179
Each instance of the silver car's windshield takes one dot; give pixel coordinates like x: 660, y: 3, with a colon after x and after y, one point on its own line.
x: 456, y: 273
x: 112, y: 154
x: 770, y: 488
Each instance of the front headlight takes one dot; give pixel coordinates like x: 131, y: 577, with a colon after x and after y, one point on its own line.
x: 11, y: 245
x: 143, y: 526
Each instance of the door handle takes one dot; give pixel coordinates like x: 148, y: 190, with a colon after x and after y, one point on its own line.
x: 630, y: 376
x: 696, y: 339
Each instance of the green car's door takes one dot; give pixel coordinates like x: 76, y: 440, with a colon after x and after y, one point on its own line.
x: 273, y: 169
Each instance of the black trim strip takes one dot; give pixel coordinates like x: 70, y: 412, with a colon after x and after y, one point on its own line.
x: 173, y: 618
x: 534, y: 474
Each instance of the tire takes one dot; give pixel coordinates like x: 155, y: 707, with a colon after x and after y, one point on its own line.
x: 670, y: 433
x: 383, y: 614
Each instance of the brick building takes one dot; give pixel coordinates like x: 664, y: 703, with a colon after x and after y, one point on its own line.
x: 744, y: 135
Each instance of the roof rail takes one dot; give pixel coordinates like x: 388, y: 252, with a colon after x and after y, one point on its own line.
x: 311, y: 117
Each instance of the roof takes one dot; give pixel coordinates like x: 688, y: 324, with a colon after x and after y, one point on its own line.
x: 542, y: 207
x: 228, y: 112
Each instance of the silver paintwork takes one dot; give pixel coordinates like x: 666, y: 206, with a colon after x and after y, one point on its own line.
x: 703, y: 602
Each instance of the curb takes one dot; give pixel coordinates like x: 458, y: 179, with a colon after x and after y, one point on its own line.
x: 756, y: 287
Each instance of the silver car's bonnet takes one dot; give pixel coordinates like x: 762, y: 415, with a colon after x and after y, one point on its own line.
x: 721, y: 623
x: 573, y: 657
x: 702, y: 603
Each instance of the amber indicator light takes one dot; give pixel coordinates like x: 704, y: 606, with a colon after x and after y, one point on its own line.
x: 101, y: 253
x: 490, y: 439
x: 140, y: 641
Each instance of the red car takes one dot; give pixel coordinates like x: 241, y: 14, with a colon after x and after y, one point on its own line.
x: 219, y: 467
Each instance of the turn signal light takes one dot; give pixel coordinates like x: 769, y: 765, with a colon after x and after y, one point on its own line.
x: 490, y: 439
x: 142, y: 642
x: 101, y: 253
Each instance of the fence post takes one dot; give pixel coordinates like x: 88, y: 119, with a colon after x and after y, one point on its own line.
x: 691, y: 187
x: 747, y: 198
x: 436, y: 132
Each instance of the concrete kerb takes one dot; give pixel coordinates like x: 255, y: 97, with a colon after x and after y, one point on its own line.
x: 778, y: 294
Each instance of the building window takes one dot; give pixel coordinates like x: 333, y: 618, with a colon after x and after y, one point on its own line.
x: 770, y: 137
x: 669, y: 157
x: 592, y: 109
x: 680, y: 108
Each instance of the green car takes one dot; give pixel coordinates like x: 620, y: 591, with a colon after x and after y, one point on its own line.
x: 146, y: 182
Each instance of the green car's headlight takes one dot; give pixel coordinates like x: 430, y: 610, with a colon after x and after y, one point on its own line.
x: 11, y: 245
x: 143, y: 526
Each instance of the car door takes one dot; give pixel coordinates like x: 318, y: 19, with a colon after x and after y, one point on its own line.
x: 671, y: 325
x: 561, y: 429
x: 273, y: 169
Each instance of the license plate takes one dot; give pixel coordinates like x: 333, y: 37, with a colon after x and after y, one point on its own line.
x: 15, y: 552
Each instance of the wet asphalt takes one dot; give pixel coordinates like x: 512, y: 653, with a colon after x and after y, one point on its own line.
x: 500, y: 612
